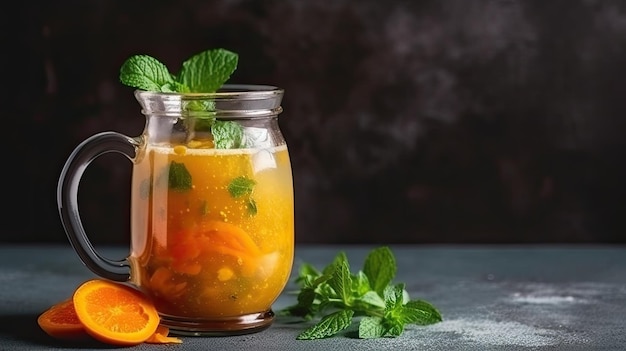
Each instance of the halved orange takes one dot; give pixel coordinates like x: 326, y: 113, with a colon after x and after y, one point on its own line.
x: 60, y: 321
x: 115, y: 313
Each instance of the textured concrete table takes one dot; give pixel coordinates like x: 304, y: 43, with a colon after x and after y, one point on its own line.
x: 491, y: 298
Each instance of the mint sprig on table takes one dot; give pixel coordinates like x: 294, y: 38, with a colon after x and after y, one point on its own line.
x: 205, y: 72
x: 369, y: 298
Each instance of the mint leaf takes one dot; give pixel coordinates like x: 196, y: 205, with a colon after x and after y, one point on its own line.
x: 179, y: 177
x: 307, y: 270
x: 316, y: 282
x: 209, y: 70
x: 341, y: 257
x: 227, y: 134
x: 241, y: 186
x: 146, y: 73
x: 380, y: 268
x: 328, y: 326
x: 373, y: 299
x: 394, y: 297
x: 421, y: 313
x: 361, y: 284
x: 305, y: 307
x: 393, y: 327
x: 371, y: 327
x: 341, y: 281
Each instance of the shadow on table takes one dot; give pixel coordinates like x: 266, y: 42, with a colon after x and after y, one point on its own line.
x: 24, y: 328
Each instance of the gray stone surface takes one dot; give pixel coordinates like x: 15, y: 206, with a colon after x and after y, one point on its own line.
x: 491, y: 298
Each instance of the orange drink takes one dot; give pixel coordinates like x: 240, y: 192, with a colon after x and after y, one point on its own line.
x: 213, y: 229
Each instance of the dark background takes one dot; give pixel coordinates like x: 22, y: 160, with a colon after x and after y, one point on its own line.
x: 407, y: 121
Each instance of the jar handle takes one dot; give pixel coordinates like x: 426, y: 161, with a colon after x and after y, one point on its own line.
x: 67, y: 200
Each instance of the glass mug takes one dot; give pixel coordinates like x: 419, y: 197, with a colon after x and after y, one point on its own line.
x: 212, y: 220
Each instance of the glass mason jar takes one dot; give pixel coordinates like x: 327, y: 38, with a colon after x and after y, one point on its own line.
x: 212, y: 208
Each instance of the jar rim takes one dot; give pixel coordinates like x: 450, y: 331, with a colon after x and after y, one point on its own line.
x: 231, y: 101
x: 226, y: 91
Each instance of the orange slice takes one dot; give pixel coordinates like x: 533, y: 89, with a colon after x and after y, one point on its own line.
x: 115, y: 313
x: 60, y: 321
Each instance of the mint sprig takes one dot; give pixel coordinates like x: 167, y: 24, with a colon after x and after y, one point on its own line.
x: 369, y: 298
x: 204, y: 72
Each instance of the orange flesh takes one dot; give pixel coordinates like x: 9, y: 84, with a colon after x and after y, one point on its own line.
x: 60, y: 321
x: 115, y: 313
